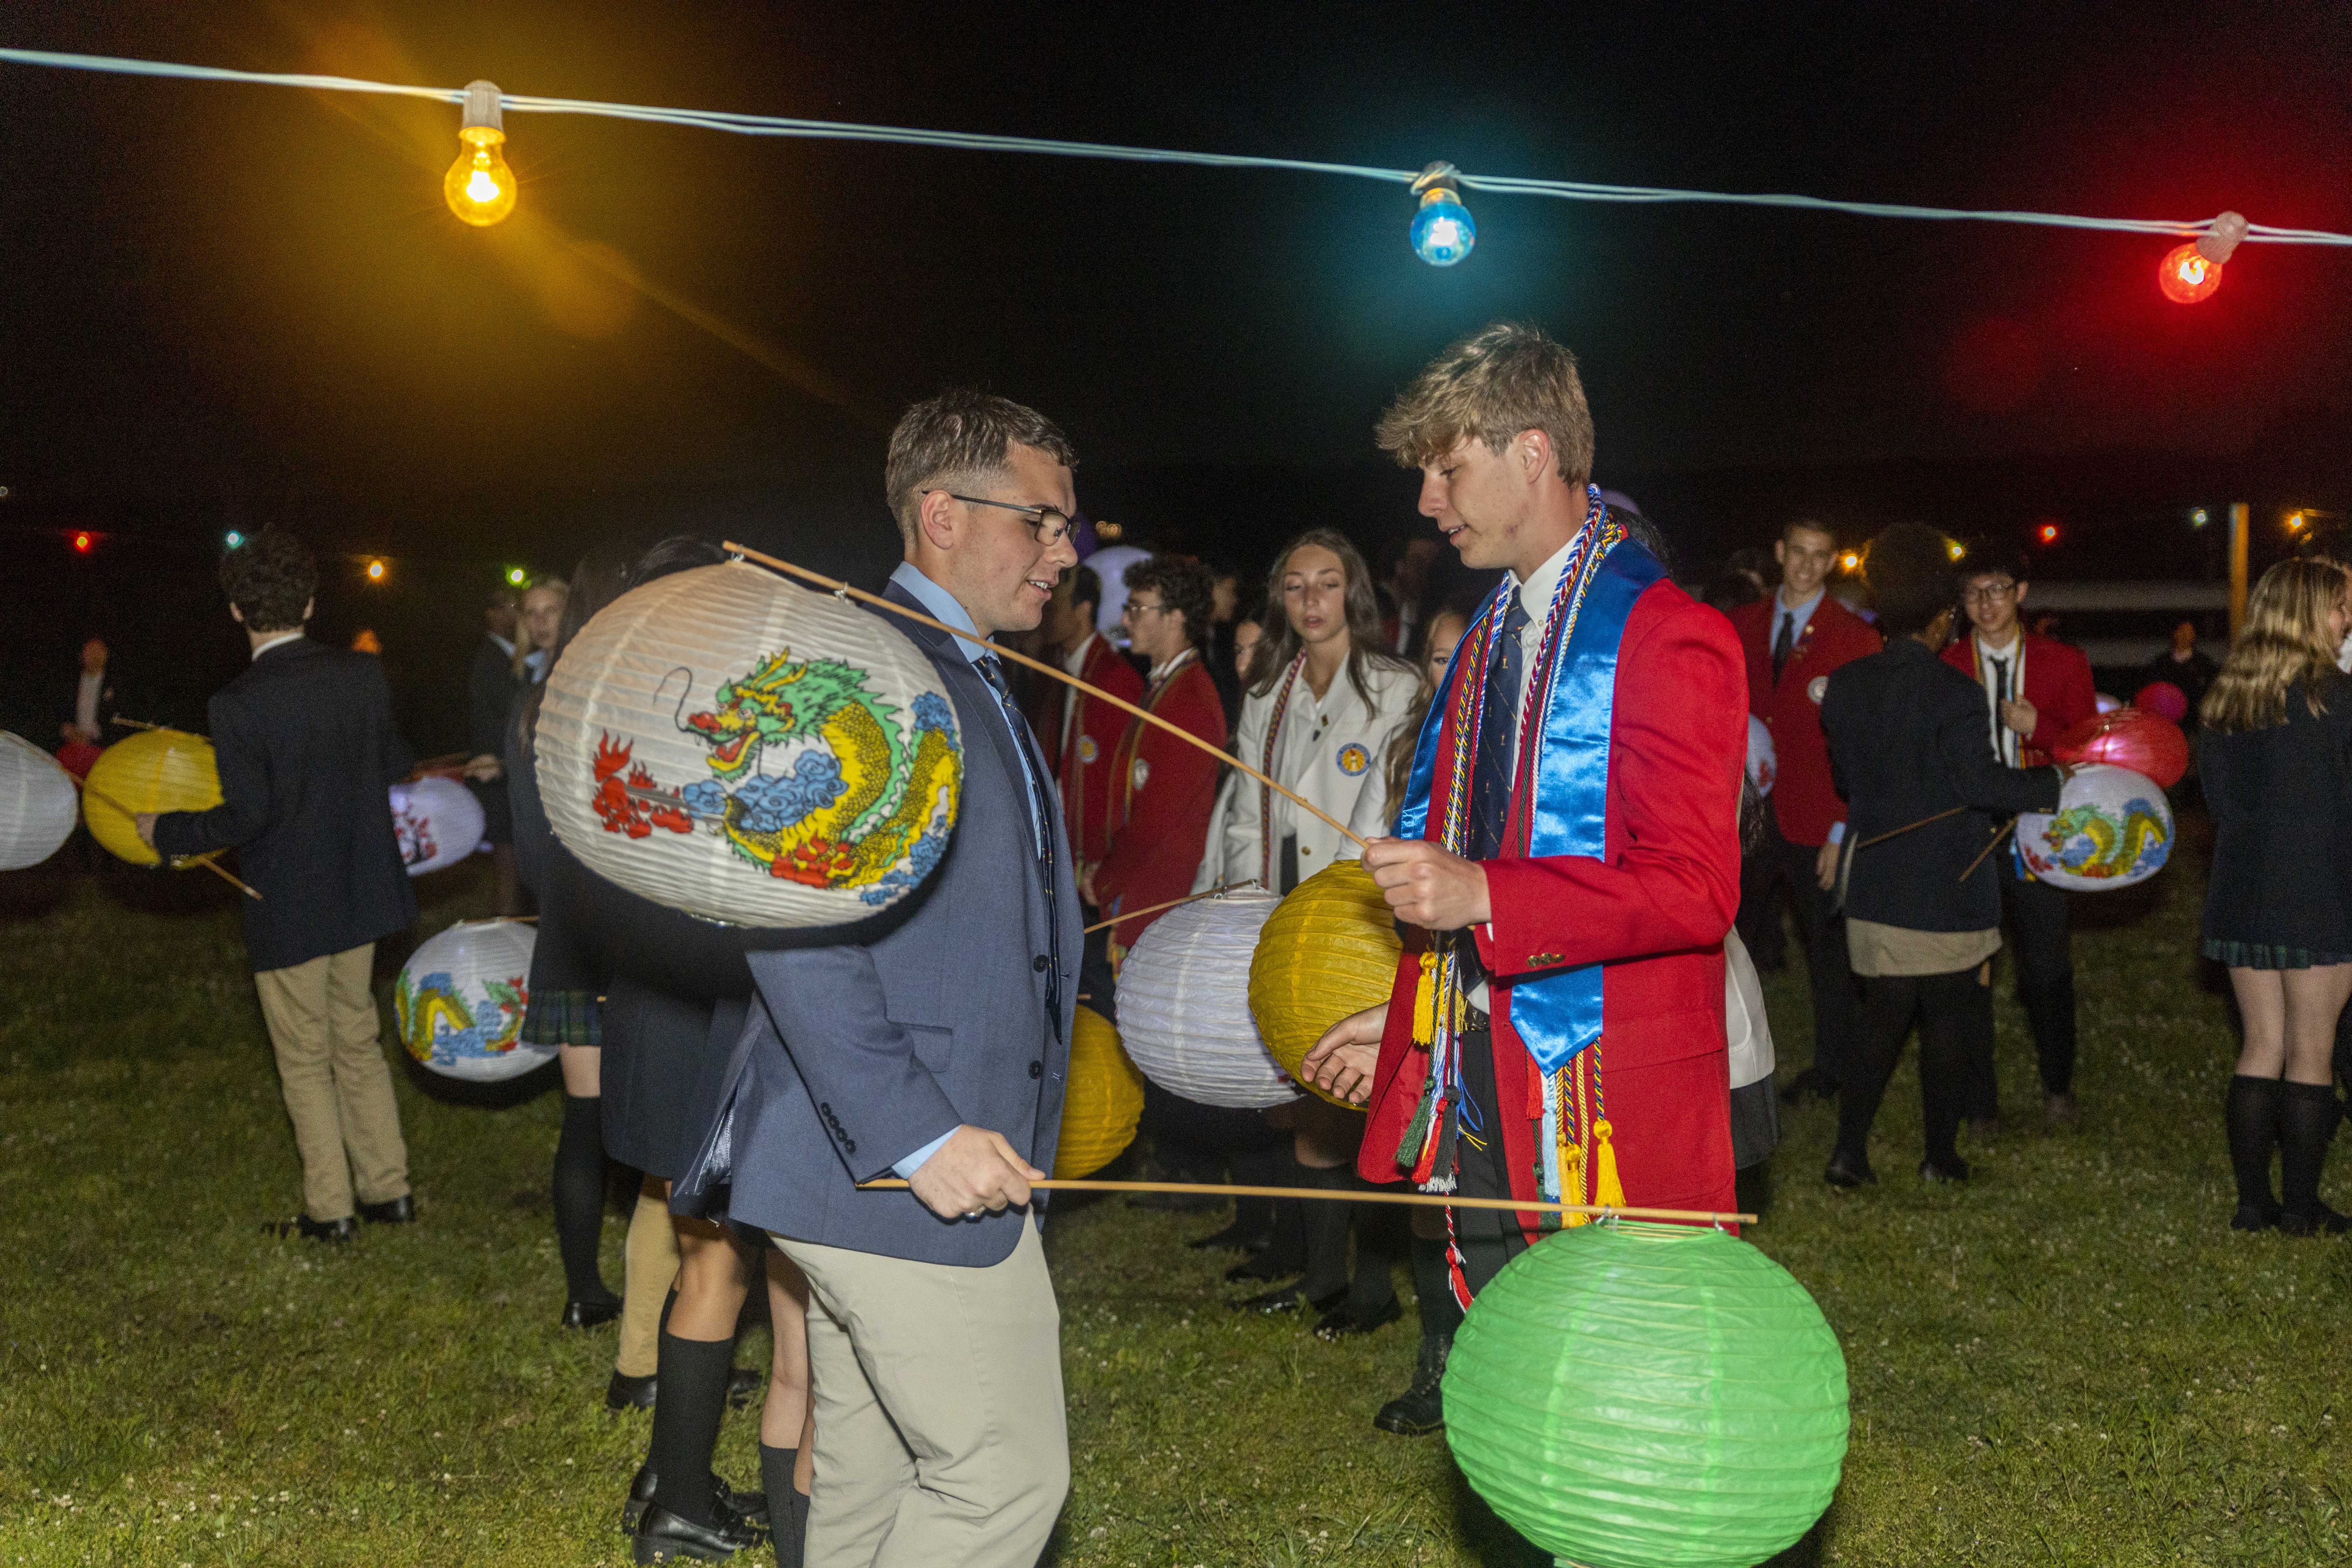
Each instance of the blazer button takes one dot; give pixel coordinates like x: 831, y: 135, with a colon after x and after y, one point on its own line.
x: 849, y: 1146
x: 1036, y: 1070
x: 1041, y: 964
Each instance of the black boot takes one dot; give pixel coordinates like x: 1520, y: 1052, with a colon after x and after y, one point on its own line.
x: 2251, y: 1113
x: 787, y: 1510
x: 2307, y: 1117
x: 1420, y: 1409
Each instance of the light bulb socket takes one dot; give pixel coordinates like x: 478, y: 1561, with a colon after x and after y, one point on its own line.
x: 482, y: 107
x: 1438, y: 176
x: 2221, y: 237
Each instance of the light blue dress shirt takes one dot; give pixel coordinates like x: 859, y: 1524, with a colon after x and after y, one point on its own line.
x: 942, y: 606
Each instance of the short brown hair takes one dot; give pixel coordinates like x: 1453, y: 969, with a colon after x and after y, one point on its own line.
x: 960, y: 440
x: 1184, y: 585
x: 271, y: 579
x: 1492, y: 385
x: 1810, y: 525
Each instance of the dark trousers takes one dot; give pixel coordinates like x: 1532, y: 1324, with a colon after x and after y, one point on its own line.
x: 1777, y: 862
x: 1488, y: 1238
x: 1940, y: 1005
x: 2041, y: 946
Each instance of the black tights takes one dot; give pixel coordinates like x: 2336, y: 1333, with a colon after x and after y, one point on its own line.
x: 1890, y: 1003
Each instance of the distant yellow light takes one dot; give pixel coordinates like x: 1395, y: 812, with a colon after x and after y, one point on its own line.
x: 2293, y: 522
x: 1957, y: 549
x: 375, y: 571
x: 1850, y: 561
x: 479, y: 188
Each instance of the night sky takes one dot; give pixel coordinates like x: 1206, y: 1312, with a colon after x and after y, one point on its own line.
x: 249, y: 303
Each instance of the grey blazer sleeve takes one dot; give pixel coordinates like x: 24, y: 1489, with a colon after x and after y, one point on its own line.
x: 874, y: 1092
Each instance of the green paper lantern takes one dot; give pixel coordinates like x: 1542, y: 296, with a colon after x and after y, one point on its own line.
x: 1649, y: 1396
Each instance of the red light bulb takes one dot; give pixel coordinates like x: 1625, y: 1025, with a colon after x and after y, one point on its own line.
x: 2192, y: 271
x: 2186, y: 276
x: 82, y: 543
x: 2048, y: 533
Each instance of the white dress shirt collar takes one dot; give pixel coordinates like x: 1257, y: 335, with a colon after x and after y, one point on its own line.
x: 942, y: 605
x: 261, y: 647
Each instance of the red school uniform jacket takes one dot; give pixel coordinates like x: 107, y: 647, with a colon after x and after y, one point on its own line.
x: 1804, y: 801
x: 2057, y: 682
x: 1652, y: 910
x: 1083, y: 769
x: 1162, y: 793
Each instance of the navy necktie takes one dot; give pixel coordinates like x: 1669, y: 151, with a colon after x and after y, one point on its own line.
x: 1490, y: 777
x: 1783, y: 645
x: 1034, y: 768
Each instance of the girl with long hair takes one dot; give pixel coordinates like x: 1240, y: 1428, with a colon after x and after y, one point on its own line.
x: 2276, y: 762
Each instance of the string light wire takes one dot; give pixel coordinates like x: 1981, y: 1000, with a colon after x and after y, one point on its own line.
x: 843, y: 131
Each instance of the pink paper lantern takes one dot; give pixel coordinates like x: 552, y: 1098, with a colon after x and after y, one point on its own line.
x: 2162, y: 698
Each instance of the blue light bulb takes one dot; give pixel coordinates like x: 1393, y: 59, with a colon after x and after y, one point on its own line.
x: 233, y: 539
x: 1442, y: 233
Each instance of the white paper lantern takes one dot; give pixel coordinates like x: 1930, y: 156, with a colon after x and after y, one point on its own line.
x: 461, y: 999
x: 38, y: 804
x: 1183, y: 1004
x: 2111, y: 829
x: 725, y: 744
x: 437, y: 821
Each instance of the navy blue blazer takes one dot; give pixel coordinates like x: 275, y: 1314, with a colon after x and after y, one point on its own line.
x: 872, y: 1040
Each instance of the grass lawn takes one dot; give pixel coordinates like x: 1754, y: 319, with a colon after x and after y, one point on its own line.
x: 2070, y: 1361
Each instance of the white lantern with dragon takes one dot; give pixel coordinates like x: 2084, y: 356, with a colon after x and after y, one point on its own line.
x: 2111, y: 829
x: 725, y: 744
x: 437, y: 823
x: 459, y: 1002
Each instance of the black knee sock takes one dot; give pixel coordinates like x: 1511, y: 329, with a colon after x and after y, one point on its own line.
x: 1432, y: 1281
x: 1286, y: 1253
x: 2307, y: 1118
x: 1327, y: 1232
x: 580, y: 1197
x: 2252, y: 1115
x: 1381, y: 1237
x: 786, y: 1508
x: 691, y: 1399
x: 1254, y: 1217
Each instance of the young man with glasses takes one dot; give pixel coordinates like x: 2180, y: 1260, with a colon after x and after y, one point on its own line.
x: 2035, y: 690
x: 1792, y: 641
x: 1162, y: 789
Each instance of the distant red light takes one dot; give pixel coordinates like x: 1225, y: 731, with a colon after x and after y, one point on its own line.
x: 2186, y: 276
x: 83, y: 542
x: 2047, y: 534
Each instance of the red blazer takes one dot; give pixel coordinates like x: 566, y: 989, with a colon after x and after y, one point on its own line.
x: 2057, y: 682
x: 1804, y: 801
x: 1652, y: 909
x: 1084, y: 768
x: 1163, y: 792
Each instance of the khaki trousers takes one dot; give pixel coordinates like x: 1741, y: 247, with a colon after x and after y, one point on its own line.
x: 324, y: 1027
x: 940, y: 1438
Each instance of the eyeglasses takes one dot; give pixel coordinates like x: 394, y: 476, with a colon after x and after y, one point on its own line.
x: 1986, y: 593
x: 1133, y: 608
x: 1050, y: 524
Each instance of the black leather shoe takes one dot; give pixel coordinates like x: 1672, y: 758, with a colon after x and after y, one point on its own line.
x: 1288, y: 1299
x: 749, y: 1509
x: 589, y: 1314
x: 1813, y: 1084
x: 627, y: 1393
x: 401, y: 1210
x: 743, y: 1385
x: 1935, y: 1171
x: 1262, y: 1265
x: 1344, y: 1320
x: 333, y: 1231
x: 1420, y: 1409
x: 1845, y: 1172
x: 2321, y: 1221
x: 662, y: 1535
x: 2254, y: 1216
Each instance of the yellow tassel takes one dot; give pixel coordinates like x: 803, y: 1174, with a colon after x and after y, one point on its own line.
x: 1607, y: 1190
x: 1572, y: 1183
x: 1425, y: 1002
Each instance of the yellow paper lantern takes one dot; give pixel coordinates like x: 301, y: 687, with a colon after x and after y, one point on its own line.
x: 155, y: 770
x: 1103, y: 1102
x: 1328, y: 950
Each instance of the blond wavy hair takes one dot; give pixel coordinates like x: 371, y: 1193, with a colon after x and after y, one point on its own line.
x: 1492, y: 385
x: 2285, y: 644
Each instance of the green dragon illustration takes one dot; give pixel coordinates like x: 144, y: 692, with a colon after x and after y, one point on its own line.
x: 2084, y: 840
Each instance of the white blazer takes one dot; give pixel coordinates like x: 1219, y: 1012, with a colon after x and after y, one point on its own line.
x: 1334, y: 752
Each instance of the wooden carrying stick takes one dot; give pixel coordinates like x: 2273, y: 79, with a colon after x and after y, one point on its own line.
x: 1900, y: 832
x: 835, y: 586
x: 1155, y: 908
x: 1357, y: 1195
x: 205, y: 859
x: 1998, y: 834
x: 133, y: 723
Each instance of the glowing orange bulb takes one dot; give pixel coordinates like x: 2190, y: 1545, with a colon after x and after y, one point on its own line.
x: 2185, y: 275
x: 1850, y: 561
x: 83, y: 542
x: 375, y: 571
x: 2047, y: 534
